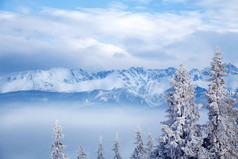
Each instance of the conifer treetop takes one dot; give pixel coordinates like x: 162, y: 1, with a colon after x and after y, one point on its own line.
x: 140, y: 151
x: 57, y: 147
x: 181, y: 137
x: 82, y: 154
x: 116, y: 148
x: 100, y: 149
x: 222, y: 125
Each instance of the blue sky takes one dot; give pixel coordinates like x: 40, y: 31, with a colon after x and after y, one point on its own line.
x: 104, y: 34
x: 132, y: 5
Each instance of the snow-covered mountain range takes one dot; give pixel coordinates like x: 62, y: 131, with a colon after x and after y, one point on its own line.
x: 134, y: 85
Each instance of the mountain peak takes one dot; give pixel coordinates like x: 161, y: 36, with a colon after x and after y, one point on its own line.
x: 231, y: 69
x: 135, y: 84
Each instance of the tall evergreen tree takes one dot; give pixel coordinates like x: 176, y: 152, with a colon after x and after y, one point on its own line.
x: 116, y: 147
x: 100, y: 149
x: 140, y: 151
x: 82, y: 154
x: 150, y: 143
x: 181, y: 137
x: 221, y: 127
x: 57, y: 147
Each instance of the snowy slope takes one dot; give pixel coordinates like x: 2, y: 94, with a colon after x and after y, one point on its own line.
x: 137, y: 85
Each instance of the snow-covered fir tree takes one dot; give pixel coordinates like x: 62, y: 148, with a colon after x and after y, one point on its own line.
x: 150, y: 143
x: 181, y: 136
x: 100, y: 149
x: 116, y: 148
x: 57, y: 147
x: 82, y: 154
x: 140, y: 151
x: 221, y: 127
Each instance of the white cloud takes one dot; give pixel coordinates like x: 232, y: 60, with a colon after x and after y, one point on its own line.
x: 218, y: 15
x: 107, y: 38
x: 118, y: 5
x: 139, y: 1
x: 23, y: 10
